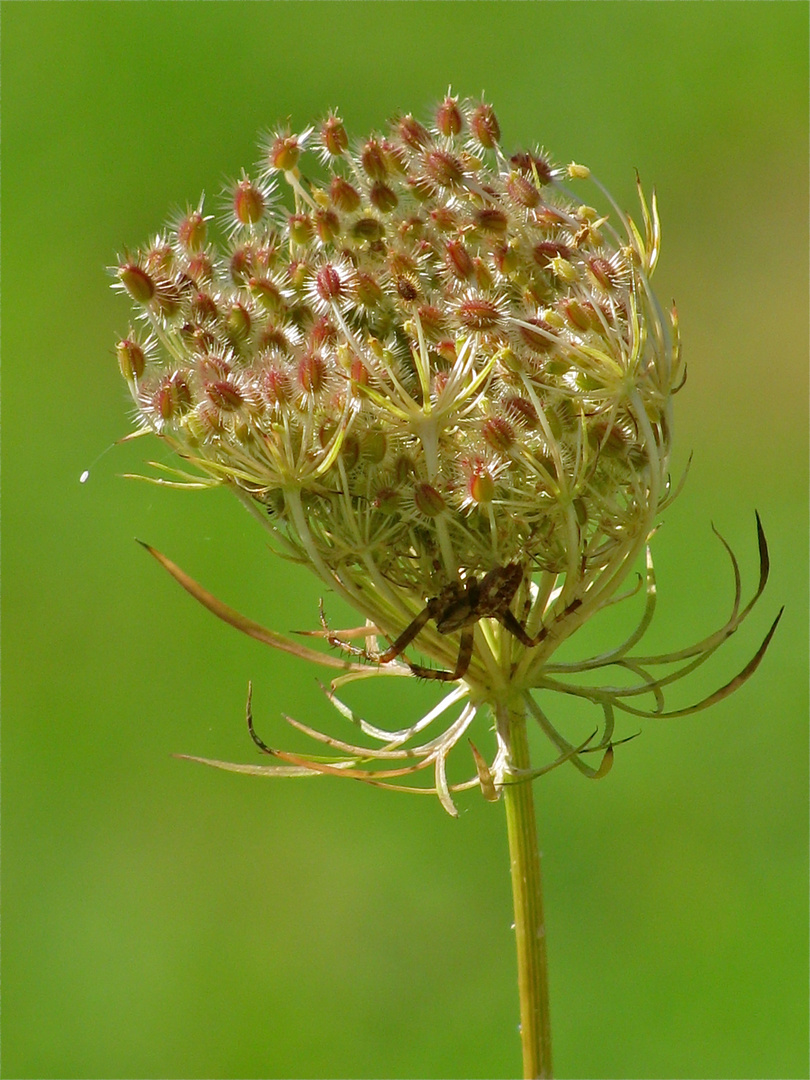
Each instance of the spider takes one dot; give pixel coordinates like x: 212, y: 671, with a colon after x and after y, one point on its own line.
x: 459, y: 606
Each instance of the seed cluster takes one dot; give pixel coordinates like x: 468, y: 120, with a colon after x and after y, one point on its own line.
x: 437, y: 360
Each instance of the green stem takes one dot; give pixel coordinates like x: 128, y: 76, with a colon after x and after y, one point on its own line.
x: 530, y: 927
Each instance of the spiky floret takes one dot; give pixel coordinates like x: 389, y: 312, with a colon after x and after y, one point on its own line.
x: 437, y: 360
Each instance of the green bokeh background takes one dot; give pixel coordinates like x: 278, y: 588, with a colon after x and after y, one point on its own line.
x: 164, y: 920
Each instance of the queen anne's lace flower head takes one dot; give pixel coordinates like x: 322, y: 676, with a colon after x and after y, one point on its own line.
x: 435, y: 362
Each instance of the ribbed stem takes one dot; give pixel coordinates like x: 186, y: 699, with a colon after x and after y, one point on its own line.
x: 530, y: 927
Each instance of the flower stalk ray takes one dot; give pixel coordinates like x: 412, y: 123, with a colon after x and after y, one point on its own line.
x: 366, y: 763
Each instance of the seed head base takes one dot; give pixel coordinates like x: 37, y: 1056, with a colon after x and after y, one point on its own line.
x: 409, y: 757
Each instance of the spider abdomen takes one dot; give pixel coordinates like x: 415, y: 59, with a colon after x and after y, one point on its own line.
x: 460, y: 605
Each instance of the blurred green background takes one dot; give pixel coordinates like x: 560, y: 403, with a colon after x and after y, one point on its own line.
x: 164, y: 920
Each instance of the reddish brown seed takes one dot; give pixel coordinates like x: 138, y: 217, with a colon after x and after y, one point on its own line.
x: 327, y: 225
x: 213, y: 367
x: 428, y: 500
x: 297, y: 273
x: 383, y: 198
x: 481, y: 486
x: 267, y: 292
x: 199, y: 267
x: 443, y: 167
x: 131, y: 359
x: 484, y: 126
x: 359, y: 373
x: 248, y: 203
x: 522, y: 410
x: 458, y: 260
x: 225, y: 394
x: 411, y: 228
x: 275, y: 386
x: 537, y: 339
x: 373, y: 159
x: 547, y: 250
x: 267, y: 253
x: 448, y: 117
x: 421, y: 188
x: 522, y: 190
x: 322, y: 333
x: 578, y: 314
x: 191, y: 231
x: 412, y: 133
x: 159, y: 259
x: 444, y: 218
x: 241, y: 264
x: 204, y: 307
x: 311, y: 373
x: 490, y: 219
x: 396, y: 157
x: 284, y: 152
x: 328, y: 283
x: 172, y: 396
x: 478, y: 313
x: 506, y: 259
x: 368, y: 228
x: 602, y: 272
x: 168, y: 299
x: 139, y: 284
x: 400, y: 262
x: 333, y: 136
x: 198, y: 339
x: 433, y: 321
x: 406, y: 288
x: 343, y: 195
x: 533, y: 165
x: 273, y: 337
x: 483, y: 274
x: 612, y: 440
x: 498, y: 433
x: 447, y: 351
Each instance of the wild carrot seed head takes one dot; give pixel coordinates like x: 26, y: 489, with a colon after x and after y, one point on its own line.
x: 430, y: 298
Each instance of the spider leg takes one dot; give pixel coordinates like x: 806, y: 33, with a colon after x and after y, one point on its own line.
x: 518, y: 630
x: 335, y: 640
x: 462, y: 663
x: 527, y: 606
x: 406, y: 637
x: 397, y: 647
